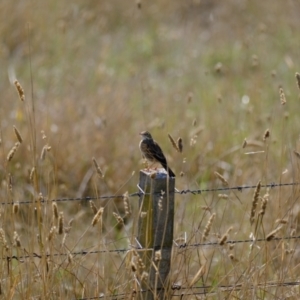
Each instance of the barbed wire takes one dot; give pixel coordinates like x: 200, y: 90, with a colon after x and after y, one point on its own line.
x: 239, y: 241
x: 230, y: 287
x: 139, y: 194
x: 182, y: 246
x: 201, y: 290
x: 87, y: 198
x: 238, y: 188
x: 83, y: 252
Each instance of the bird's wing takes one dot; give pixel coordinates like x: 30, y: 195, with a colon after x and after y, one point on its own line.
x: 158, y: 154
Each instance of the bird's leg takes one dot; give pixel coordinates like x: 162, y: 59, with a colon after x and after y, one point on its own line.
x: 146, y: 164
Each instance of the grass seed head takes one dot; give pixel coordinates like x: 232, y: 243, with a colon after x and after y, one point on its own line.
x: 173, y: 142
x: 20, y: 90
x: 208, y: 227
x: 52, y: 233
x: 144, y: 276
x: 98, y: 216
x: 179, y: 144
x: 298, y: 80
x: 98, y: 169
x: 17, y: 242
x: 31, y: 175
x: 266, y: 134
x: 118, y: 218
x: 222, y: 178
x: 44, y: 151
x: 10, y: 182
x: 264, y: 202
x: 224, y: 237
x: 61, y: 223
x: 18, y: 135
x: 160, y: 203
x: 55, y: 210
x: 141, y: 264
x: 254, y: 202
x: 63, y: 242
x: 208, y: 208
x: 281, y: 221
x: 126, y: 203
x: 3, y: 241
x: 133, y: 266
x: 157, y: 256
x: 12, y: 152
x: 282, y: 96
x: 93, y: 207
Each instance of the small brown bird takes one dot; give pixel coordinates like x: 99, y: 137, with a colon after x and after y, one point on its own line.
x: 152, y: 152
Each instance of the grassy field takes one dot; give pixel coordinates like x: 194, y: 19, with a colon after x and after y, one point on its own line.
x: 220, y: 75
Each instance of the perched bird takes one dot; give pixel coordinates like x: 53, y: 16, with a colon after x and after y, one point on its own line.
x: 152, y: 152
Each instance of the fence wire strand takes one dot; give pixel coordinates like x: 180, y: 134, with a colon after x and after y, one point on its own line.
x: 238, y: 241
x: 139, y: 194
x: 181, y: 246
x: 202, y: 290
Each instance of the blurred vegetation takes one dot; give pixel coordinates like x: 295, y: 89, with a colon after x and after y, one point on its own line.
x: 103, y: 71
x: 96, y: 73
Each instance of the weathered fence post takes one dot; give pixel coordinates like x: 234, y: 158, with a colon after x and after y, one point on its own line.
x: 155, y: 231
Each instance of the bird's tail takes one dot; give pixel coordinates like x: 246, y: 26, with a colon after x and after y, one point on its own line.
x: 170, y: 172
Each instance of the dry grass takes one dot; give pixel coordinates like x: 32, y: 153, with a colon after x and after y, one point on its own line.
x: 90, y: 77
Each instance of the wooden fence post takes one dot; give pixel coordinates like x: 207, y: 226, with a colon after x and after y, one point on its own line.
x: 155, y: 231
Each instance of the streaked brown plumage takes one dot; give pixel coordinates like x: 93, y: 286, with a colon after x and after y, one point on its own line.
x: 152, y: 152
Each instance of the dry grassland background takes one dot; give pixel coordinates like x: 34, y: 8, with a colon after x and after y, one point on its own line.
x: 95, y: 74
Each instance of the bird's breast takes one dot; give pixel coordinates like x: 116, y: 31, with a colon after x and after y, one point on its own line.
x: 146, y: 147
